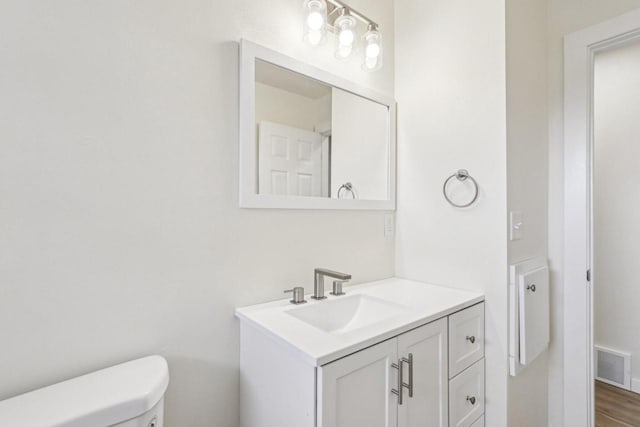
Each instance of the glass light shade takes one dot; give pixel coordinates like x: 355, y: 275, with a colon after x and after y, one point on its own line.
x: 315, y: 21
x: 346, y: 30
x: 372, y: 50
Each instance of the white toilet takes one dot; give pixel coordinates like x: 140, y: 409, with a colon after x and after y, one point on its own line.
x: 126, y: 395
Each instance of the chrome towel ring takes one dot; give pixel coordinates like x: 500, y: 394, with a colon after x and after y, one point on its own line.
x: 461, y: 175
x: 348, y: 187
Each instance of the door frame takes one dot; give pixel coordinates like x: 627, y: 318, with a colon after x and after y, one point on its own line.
x: 580, y: 49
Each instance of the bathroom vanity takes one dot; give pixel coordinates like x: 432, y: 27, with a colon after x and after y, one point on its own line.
x: 392, y: 353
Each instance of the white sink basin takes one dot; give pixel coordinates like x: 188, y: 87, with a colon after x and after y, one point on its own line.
x: 346, y: 314
x: 324, y: 331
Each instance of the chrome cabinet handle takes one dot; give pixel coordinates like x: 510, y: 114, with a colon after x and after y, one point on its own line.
x: 471, y: 339
x: 531, y: 287
x: 409, y: 361
x: 471, y: 399
x: 398, y: 391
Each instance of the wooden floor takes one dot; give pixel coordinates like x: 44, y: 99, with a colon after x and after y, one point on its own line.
x: 616, y: 407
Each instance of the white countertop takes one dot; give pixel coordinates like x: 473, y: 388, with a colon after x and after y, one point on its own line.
x: 421, y: 303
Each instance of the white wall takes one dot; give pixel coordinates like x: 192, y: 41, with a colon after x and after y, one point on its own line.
x: 565, y: 17
x: 617, y: 201
x: 120, y: 234
x: 450, y: 87
x: 526, y: 28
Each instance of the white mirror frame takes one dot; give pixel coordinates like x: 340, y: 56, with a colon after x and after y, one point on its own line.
x: 249, y: 197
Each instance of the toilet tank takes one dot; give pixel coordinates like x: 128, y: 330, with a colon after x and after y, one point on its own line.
x: 126, y: 395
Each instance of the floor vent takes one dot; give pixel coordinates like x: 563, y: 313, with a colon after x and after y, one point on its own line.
x: 613, y: 367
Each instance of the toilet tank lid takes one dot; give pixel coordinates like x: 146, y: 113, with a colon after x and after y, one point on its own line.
x: 101, y: 398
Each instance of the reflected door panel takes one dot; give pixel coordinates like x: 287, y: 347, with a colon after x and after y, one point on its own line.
x: 290, y: 161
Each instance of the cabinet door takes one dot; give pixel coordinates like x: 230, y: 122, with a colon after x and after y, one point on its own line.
x: 355, y: 391
x: 428, y: 347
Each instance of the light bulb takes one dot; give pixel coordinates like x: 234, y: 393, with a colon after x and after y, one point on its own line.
x: 314, y: 38
x: 315, y: 21
x: 373, y: 49
x: 370, y: 63
x: 346, y: 37
x: 343, y: 52
x: 345, y: 25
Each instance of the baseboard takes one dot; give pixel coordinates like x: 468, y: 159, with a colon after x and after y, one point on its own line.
x: 635, y: 385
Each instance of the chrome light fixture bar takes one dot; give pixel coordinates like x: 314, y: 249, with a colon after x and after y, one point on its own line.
x: 335, y: 4
x: 322, y: 16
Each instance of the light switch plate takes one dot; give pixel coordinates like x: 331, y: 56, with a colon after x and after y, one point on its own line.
x: 517, y: 224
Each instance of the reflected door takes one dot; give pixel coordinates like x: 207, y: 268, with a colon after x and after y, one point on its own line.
x: 290, y: 161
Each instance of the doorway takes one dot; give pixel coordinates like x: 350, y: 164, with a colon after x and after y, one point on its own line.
x: 579, y: 275
x: 616, y: 235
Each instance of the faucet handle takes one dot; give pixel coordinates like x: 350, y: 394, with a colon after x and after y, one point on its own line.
x: 298, y: 295
x: 337, y: 287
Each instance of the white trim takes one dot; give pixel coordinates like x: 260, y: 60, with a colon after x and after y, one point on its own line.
x: 248, y: 194
x: 579, y: 51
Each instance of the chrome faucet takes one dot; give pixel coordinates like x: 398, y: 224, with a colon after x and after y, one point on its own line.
x: 318, y: 280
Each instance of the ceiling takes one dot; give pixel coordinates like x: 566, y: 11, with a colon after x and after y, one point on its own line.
x: 290, y: 81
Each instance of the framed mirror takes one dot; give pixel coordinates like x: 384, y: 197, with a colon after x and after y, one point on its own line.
x: 312, y: 140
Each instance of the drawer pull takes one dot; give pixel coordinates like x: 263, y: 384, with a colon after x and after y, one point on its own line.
x: 471, y: 339
x: 531, y: 288
x: 471, y: 399
x: 398, y: 392
x: 409, y: 386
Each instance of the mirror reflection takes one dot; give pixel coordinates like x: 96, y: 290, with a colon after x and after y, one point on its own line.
x: 315, y: 140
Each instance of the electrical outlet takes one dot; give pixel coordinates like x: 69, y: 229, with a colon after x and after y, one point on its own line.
x: 389, y: 225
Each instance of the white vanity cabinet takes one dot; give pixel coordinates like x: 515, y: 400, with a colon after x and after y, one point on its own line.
x: 466, y: 367
x: 357, y: 390
x: 440, y: 358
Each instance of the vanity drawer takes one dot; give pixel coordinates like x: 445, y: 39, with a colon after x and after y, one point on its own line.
x: 466, y: 396
x: 479, y: 422
x: 466, y: 338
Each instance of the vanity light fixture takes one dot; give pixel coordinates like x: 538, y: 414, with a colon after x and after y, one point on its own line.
x: 315, y: 22
x: 372, y: 49
x: 345, y: 28
x: 322, y: 16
